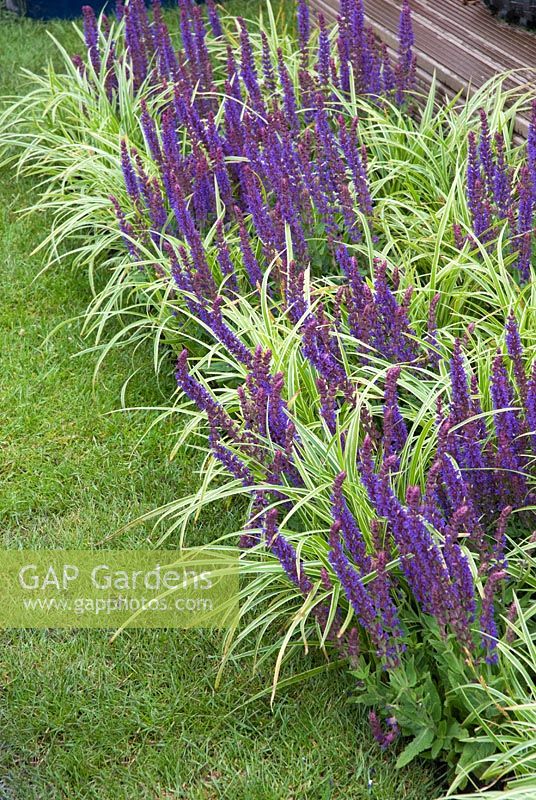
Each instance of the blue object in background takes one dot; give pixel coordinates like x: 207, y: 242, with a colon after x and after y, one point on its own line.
x: 62, y: 9
x: 70, y: 9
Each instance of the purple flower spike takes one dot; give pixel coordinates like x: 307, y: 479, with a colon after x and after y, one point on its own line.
x: 286, y: 553
x: 460, y: 408
x: 203, y: 400
x: 248, y: 70
x: 126, y: 229
x: 137, y: 39
x: 460, y: 574
x: 459, y: 238
x: 226, y: 336
x: 388, y: 74
x: 289, y: 98
x: 474, y: 185
x: 485, y: 152
x: 373, y: 63
x: 531, y: 147
x: 322, y: 349
x: 502, y: 189
x: 525, y: 224
x: 530, y: 411
x: 261, y: 400
x: 488, y: 626
x: 257, y: 205
x: 303, y: 24
x: 214, y: 19
x: 512, y: 486
x: 384, y: 588
x: 91, y: 36
x: 328, y: 404
x: 390, y: 331
x: 507, y: 424
x: 167, y: 58
x: 79, y: 63
x: 323, y: 64
x: 232, y: 463
x: 356, y: 159
x: 149, y: 131
x: 405, y: 71
x: 185, y: 12
x: 353, y: 538
x: 203, y: 58
x: 293, y: 283
x: 129, y: 175
x: 251, y: 265
x: 344, y: 47
x: 352, y: 584
x: 515, y: 351
x: 267, y: 66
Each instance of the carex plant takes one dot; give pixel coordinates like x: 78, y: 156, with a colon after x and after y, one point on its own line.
x: 344, y: 269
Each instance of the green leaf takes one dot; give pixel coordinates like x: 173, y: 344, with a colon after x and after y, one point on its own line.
x: 434, y: 705
x: 411, y: 672
x: 417, y: 745
x: 473, y: 753
x: 437, y: 747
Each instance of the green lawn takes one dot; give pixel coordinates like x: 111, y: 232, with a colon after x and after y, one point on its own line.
x: 81, y: 718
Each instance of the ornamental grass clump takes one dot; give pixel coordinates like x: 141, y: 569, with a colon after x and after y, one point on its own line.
x: 421, y: 570
x: 475, y: 479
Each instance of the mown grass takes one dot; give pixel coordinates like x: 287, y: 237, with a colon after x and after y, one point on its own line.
x: 81, y: 718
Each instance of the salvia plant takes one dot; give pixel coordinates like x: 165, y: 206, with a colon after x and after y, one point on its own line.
x: 353, y: 328
x: 498, y: 198
x: 280, y: 155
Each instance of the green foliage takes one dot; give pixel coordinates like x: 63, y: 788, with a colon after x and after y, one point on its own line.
x: 479, y: 721
x: 82, y: 718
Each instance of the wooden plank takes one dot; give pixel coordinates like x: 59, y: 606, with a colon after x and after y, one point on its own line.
x: 476, y: 20
x: 462, y: 44
x: 496, y: 52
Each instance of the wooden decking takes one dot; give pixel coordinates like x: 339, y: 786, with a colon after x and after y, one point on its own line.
x: 462, y: 43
